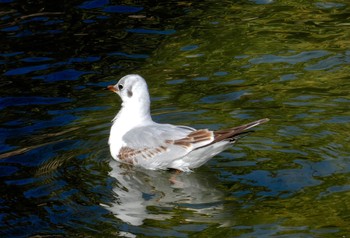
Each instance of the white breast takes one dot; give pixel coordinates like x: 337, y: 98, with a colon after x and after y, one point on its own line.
x: 126, y: 120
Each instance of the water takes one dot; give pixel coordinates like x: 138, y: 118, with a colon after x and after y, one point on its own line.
x: 208, y: 64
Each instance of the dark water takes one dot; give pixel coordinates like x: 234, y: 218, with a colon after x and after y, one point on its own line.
x: 208, y: 64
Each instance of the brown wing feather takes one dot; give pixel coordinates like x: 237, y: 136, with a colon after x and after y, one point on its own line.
x: 127, y: 155
x: 195, y: 137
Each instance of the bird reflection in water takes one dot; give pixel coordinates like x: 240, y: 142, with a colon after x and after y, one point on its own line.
x: 144, y: 194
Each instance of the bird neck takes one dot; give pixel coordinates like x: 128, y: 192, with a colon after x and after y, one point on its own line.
x: 133, y: 113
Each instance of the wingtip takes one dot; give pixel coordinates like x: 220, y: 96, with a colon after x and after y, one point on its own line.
x: 263, y: 120
x: 255, y: 123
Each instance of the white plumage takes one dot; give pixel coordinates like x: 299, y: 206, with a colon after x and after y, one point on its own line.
x: 136, y: 139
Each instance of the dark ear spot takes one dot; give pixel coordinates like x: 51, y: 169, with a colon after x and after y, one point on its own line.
x: 129, y: 93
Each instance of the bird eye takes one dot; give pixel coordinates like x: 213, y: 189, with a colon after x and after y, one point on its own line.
x: 120, y: 87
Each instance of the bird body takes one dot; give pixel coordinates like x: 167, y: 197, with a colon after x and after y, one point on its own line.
x: 136, y: 139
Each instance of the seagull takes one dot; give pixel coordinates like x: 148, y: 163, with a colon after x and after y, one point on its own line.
x: 137, y: 140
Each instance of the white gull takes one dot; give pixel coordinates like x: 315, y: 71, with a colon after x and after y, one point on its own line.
x: 136, y: 139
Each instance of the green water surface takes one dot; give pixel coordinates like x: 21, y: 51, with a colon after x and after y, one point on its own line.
x: 208, y: 64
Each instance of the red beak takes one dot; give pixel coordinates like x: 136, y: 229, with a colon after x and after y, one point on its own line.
x: 112, y: 88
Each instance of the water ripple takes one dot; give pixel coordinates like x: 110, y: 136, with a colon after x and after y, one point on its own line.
x: 292, y: 59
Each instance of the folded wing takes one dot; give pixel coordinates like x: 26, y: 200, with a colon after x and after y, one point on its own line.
x: 159, y: 145
x: 162, y: 146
